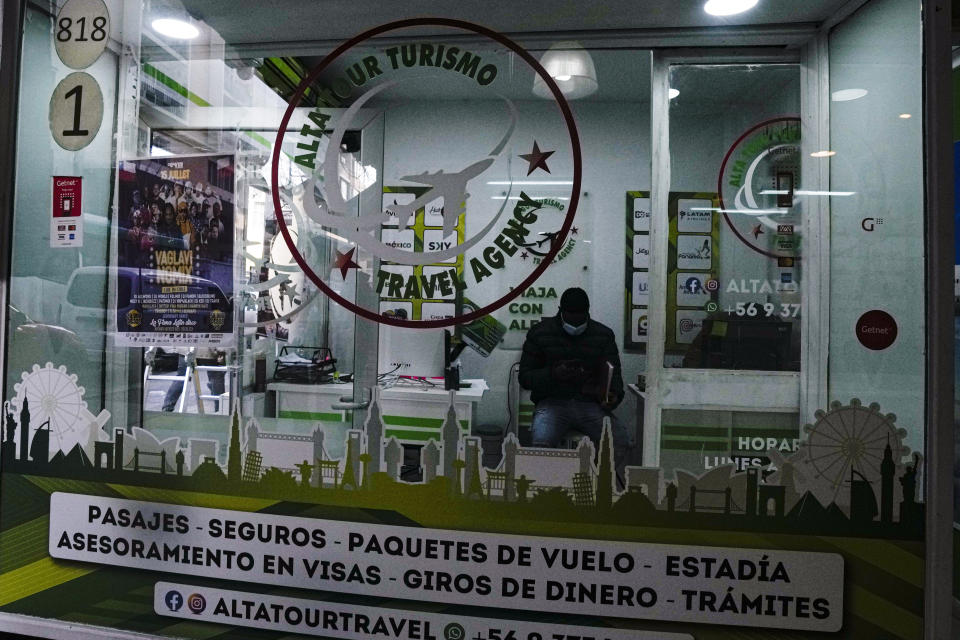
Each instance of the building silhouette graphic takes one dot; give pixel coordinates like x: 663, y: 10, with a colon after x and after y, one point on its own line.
x: 554, y: 484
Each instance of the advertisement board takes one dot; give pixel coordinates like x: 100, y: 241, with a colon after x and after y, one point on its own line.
x: 175, y: 274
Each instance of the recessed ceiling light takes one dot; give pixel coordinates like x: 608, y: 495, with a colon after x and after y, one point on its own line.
x: 673, y: 93
x: 173, y: 28
x: 905, y: 116
x: 728, y: 7
x: 781, y: 192
x: 846, y: 95
x: 552, y: 183
x: 571, y: 65
x: 823, y: 154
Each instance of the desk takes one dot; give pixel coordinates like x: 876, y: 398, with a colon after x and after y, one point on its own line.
x: 636, y: 455
x: 412, y: 413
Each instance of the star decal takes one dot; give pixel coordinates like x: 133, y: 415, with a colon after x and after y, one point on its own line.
x: 524, y: 255
x: 258, y: 262
x: 288, y: 290
x: 345, y: 262
x: 574, y: 231
x: 757, y: 230
x: 537, y: 159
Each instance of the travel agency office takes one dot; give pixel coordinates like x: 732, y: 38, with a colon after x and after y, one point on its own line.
x: 503, y: 321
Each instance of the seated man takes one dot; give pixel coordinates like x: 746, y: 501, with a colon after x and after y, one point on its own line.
x: 566, y: 364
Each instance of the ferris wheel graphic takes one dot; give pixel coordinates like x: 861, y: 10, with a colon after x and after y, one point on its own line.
x: 851, y: 439
x: 54, y: 399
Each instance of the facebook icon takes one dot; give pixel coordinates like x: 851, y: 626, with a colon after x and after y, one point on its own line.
x: 174, y: 600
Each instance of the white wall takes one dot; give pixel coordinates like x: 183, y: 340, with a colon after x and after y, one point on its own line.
x: 880, y: 157
x: 616, y: 158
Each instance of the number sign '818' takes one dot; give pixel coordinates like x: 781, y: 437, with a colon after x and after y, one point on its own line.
x: 81, y: 32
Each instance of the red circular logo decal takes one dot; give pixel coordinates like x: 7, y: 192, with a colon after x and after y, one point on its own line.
x: 758, y: 188
x: 876, y: 330
x: 439, y: 237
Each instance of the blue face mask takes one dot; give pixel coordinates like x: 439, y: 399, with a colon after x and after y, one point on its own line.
x: 572, y: 329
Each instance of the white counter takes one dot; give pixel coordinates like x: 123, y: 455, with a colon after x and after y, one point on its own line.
x: 411, y: 412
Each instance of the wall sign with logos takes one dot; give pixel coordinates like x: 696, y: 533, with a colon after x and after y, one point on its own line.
x: 66, y: 221
x: 637, y: 272
x: 693, y: 263
x: 412, y: 291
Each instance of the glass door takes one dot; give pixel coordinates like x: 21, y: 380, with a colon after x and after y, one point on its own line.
x: 727, y: 297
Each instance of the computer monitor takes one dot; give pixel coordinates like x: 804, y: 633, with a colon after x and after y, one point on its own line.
x: 411, y: 352
x: 746, y: 343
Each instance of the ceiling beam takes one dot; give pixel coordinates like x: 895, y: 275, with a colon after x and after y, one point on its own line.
x: 775, y: 35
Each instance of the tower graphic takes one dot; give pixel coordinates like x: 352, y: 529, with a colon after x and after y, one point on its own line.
x: 887, y: 470
x: 351, y: 465
x: 374, y: 429
x: 753, y: 483
x: 471, y: 457
x: 394, y: 456
x: 10, y: 437
x: 234, y: 461
x: 510, y: 447
x: 451, y: 439
x: 118, y: 448
x: 25, y: 430
x: 605, y: 468
x: 430, y: 458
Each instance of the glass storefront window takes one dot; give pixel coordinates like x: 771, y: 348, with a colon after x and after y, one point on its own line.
x: 568, y: 327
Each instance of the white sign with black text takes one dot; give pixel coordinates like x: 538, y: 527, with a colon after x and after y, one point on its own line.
x: 708, y: 585
x: 356, y: 622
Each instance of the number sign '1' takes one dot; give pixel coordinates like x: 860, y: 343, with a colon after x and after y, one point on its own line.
x: 76, y: 111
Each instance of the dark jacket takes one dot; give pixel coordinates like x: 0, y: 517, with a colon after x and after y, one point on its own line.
x: 548, y: 344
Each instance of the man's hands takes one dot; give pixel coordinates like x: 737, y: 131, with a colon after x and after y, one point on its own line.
x: 609, y: 402
x: 567, y: 370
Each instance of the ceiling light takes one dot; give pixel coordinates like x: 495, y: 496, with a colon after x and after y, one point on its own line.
x: 777, y: 192
x: 752, y: 212
x: 905, y: 116
x: 846, y: 95
x: 531, y: 197
x: 176, y: 29
x: 823, y: 154
x: 673, y: 93
x: 570, y: 64
x: 531, y: 182
x: 728, y: 7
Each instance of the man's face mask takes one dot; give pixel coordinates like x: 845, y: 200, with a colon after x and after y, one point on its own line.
x: 574, y: 329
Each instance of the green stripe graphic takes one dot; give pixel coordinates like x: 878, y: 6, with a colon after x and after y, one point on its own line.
x: 169, y: 82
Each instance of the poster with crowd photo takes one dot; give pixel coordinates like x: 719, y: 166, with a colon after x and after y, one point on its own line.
x: 175, y: 251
